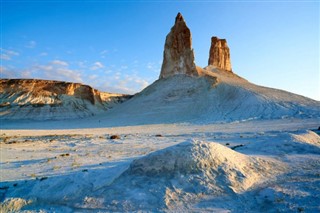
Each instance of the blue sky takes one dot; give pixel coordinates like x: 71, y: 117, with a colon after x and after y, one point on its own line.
x: 117, y: 46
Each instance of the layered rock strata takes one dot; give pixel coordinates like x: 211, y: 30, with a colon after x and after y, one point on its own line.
x: 44, y: 99
x: 47, y: 88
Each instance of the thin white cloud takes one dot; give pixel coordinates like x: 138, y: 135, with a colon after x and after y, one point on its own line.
x: 26, y: 74
x: 108, y: 71
x: 93, y: 77
x: 5, y: 57
x: 103, y: 52
x: 115, y: 89
x: 54, y: 70
x: 97, y: 65
x: 11, y: 72
x: 82, y: 64
x: 150, y: 65
x: 142, y: 83
x: 123, y: 84
x: 124, y: 67
x: 71, y: 75
x: 58, y: 70
x: 8, y: 54
x: 31, y: 44
x: 3, y: 72
x: 43, y: 67
x: 59, y: 63
x: 6, y: 73
x: 154, y: 67
x: 121, y: 79
x: 43, y: 54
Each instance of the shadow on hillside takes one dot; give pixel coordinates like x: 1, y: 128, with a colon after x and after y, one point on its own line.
x: 65, y: 188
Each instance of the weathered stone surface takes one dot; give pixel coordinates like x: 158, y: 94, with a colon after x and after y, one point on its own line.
x: 46, y: 99
x: 48, y: 88
x: 219, y: 55
x: 178, y: 56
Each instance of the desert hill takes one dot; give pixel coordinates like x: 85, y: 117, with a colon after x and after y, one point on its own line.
x: 218, y: 96
x: 45, y: 99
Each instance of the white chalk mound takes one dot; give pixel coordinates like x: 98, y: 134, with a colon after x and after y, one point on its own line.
x: 13, y: 204
x: 176, y: 177
x: 308, y: 137
x: 214, y: 162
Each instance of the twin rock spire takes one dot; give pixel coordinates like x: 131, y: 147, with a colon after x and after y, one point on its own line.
x: 178, y: 56
x: 219, y: 54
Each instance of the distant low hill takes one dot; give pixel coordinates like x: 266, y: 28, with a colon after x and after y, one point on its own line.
x: 46, y: 99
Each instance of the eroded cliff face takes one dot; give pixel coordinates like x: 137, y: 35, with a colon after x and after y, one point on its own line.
x: 178, y: 56
x: 46, y: 88
x: 46, y: 99
x: 219, y: 54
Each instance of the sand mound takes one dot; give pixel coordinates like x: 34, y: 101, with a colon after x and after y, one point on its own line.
x: 212, y: 161
x: 308, y: 137
x: 13, y: 204
x: 176, y: 176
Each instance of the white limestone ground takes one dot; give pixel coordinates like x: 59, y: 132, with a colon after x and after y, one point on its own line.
x: 247, y: 166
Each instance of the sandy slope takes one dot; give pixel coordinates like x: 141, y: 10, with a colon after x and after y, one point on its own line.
x: 219, y: 96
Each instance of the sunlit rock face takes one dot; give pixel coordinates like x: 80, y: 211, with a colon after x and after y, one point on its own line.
x: 219, y: 54
x: 46, y: 99
x: 46, y: 88
x: 178, y: 56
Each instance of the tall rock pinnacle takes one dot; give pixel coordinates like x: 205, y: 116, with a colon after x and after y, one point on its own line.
x: 178, y: 57
x: 219, y: 55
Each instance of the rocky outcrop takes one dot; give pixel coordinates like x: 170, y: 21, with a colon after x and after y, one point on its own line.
x: 178, y: 57
x: 219, y: 55
x: 46, y: 88
x: 46, y: 99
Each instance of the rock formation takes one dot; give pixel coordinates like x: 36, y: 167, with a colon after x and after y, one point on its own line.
x: 219, y: 55
x: 45, y: 99
x: 178, y: 57
x: 47, y: 88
